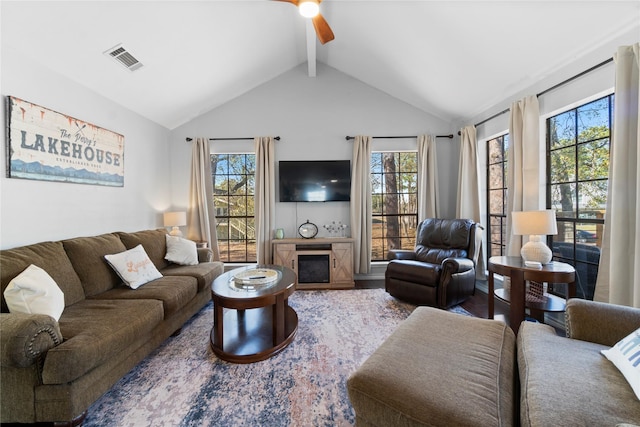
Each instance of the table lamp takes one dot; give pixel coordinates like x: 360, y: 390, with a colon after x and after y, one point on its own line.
x: 175, y: 220
x: 535, y: 224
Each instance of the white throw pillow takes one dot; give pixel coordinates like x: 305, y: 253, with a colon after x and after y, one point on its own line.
x: 181, y: 251
x: 134, y: 267
x: 626, y: 356
x: 34, y: 292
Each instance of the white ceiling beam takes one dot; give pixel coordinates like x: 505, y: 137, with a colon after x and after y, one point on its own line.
x: 311, y: 48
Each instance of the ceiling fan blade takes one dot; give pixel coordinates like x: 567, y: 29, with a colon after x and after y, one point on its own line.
x: 295, y: 2
x: 322, y: 29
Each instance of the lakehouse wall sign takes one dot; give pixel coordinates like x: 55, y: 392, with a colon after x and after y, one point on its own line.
x: 46, y: 145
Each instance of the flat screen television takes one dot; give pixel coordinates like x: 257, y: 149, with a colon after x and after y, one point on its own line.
x: 315, y: 180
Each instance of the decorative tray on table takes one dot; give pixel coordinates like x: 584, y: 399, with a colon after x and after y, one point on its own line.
x: 254, y: 279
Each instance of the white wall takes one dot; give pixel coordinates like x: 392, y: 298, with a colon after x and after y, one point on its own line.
x: 313, y: 115
x: 34, y: 211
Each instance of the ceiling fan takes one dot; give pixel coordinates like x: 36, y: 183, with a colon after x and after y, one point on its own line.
x: 311, y: 9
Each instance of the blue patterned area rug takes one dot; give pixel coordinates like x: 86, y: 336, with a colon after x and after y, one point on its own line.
x: 183, y: 383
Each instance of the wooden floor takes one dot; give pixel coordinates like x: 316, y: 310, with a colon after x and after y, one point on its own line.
x: 476, y: 305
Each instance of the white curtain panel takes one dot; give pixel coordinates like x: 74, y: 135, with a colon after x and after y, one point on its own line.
x: 427, y: 178
x: 265, y: 197
x: 361, y: 203
x: 523, y: 170
x: 201, y: 223
x: 619, y: 272
x: 468, y: 202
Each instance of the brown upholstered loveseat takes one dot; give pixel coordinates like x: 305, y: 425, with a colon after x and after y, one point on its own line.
x: 54, y: 370
x: 567, y: 381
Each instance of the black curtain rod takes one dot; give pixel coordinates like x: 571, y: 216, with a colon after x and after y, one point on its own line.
x: 562, y: 83
x: 450, y: 136
x: 277, y: 138
x: 595, y: 67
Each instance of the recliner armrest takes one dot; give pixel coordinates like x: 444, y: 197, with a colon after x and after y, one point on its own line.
x: 457, y: 265
x: 401, y: 254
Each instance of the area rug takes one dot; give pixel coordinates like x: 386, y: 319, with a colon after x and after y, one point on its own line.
x: 183, y: 383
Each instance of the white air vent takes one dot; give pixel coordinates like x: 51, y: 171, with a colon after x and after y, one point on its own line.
x: 122, y: 56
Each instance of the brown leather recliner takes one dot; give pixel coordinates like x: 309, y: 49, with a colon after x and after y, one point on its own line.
x: 441, y: 270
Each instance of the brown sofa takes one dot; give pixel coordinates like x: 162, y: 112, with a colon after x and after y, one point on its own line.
x: 443, y: 369
x: 53, y: 371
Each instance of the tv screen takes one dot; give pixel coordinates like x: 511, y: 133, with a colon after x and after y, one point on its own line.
x: 315, y: 181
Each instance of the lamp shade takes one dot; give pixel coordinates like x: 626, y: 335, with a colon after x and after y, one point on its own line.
x: 535, y: 224
x: 540, y: 223
x: 175, y: 219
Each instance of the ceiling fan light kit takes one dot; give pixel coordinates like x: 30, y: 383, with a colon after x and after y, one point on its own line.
x: 309, y: 8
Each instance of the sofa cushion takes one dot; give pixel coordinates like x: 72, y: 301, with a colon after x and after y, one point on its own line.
x: 52, y: 258
x: 205, y: 272
x: 625, y: 355
x: 438, y: 369
x: 95, y: 330
x: 133, y: 266
x: 174, y: 292
x: 34, y: 292
x: 568, y: 380
x: 153, y: 242
x: 87, y: 256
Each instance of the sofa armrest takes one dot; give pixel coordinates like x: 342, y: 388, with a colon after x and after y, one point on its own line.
x: 401, y: 254
x: 205, y: 255
x: 24, y: 337
x: 599, y: 322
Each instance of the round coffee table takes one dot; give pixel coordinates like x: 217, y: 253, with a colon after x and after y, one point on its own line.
x: 252, y: 319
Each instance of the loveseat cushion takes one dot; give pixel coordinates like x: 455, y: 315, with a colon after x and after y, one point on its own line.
x: 87, y: 256
x: 205, y: 272
x: 174, y: 292
x: 52, y: 258
x: 95, y: 330
x: 153, y: 241
x: 569, y: 382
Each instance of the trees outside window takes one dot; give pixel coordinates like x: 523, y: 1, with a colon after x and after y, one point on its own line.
x: 578, y: 145
x: 394, y: 181
x: 233, y: 192
x: 497, y: 149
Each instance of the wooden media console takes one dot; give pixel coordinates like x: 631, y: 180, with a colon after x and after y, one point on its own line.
x: 322, y: 263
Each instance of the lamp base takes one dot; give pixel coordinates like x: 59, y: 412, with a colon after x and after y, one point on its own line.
x: 536, y: 250
x: 175, y: 231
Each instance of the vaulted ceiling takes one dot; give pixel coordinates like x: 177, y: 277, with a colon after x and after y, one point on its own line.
x: 453, y: 59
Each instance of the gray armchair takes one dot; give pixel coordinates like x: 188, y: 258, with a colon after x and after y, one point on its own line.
x: 441, y: 270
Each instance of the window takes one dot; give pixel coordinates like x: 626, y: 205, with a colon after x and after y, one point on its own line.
x: 578, y: 144
x: 394, y: 182
x: 497, y: 149
x: 233, y: 192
